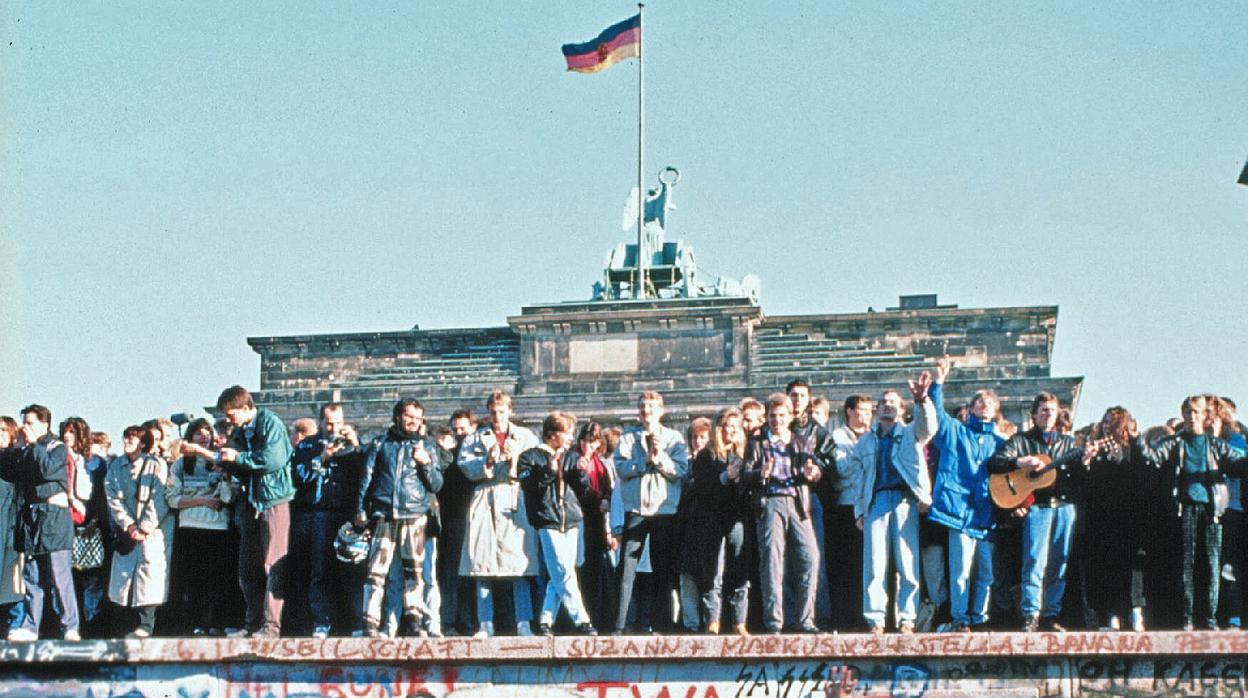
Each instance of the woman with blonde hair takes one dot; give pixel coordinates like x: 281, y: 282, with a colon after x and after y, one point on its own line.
x: 720, y: 517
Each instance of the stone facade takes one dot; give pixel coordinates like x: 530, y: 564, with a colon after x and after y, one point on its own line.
x: 703, y: 354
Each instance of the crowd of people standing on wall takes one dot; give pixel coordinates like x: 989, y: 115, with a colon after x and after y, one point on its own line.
x: 771, y: 516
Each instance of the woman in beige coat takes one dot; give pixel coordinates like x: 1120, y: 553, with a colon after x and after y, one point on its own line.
x: 500, y: 543
x: 137, y: 487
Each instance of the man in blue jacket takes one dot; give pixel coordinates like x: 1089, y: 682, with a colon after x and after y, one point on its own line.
x: 960, y: 499
x: 327, y: 474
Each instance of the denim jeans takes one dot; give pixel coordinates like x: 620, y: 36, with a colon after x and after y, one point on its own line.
x: 521, y: 594
x: 433, y: 593
x: 724, y: 570
x: 970, y: 578
x: 932, y: 568
x: 312, y: 558
x: 823, y: 600
x: 559, y: 555
x: 1047, y: 535
x: 890, y: 529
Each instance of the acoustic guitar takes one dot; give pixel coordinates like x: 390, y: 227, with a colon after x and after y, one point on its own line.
x: 1010, y: 490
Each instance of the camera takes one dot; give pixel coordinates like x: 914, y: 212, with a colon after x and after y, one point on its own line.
x: 340, y: 439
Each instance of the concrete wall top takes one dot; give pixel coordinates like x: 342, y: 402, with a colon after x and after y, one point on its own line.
x: 676, y: 649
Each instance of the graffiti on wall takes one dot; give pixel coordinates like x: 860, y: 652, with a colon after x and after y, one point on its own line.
x: 674, y: 679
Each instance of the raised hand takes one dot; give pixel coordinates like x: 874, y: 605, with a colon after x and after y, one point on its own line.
x: 943, y: 366
x: 920, y: 387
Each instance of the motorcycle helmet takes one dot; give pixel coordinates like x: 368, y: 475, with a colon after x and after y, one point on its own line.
x: 351, y: 545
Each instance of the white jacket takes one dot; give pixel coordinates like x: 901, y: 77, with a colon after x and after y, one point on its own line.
x: 499, y: 541
x: 909, y: 441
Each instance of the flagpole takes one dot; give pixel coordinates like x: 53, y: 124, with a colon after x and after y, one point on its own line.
x: 642, y: 257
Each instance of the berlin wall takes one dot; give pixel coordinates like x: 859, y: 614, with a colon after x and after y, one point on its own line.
x: 988, y: 664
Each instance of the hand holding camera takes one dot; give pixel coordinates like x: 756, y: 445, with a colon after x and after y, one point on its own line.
x: 345, y: 437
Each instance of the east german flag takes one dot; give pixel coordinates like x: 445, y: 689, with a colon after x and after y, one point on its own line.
x: 617, y: 42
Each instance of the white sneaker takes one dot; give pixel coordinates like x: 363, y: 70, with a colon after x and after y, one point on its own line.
x: 22, y: 635
x: 139, y: 634
x: 1114, y: 623
x: 72, y: 636
x: 1137, y: 619
x: 486, y: 630
x: 523, y: 629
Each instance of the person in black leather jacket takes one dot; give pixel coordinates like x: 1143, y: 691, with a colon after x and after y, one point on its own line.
x: 1048, y: 530
x: 402, y: 475
x: 1196, y: 464
x: 780, y: 467
x: 552, y: 477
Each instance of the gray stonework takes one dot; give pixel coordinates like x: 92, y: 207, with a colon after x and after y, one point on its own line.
x: 703, y: 354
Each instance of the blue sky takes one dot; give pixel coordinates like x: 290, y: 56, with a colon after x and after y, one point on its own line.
x: 178, y: 178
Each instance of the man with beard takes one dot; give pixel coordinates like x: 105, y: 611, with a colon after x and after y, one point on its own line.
x: 401, y: 477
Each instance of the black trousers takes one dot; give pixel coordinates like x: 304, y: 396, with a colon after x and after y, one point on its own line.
x: 1116, y: 561
x: 659, y: 529
x: 1202, y: 537
x: 842, y: 560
